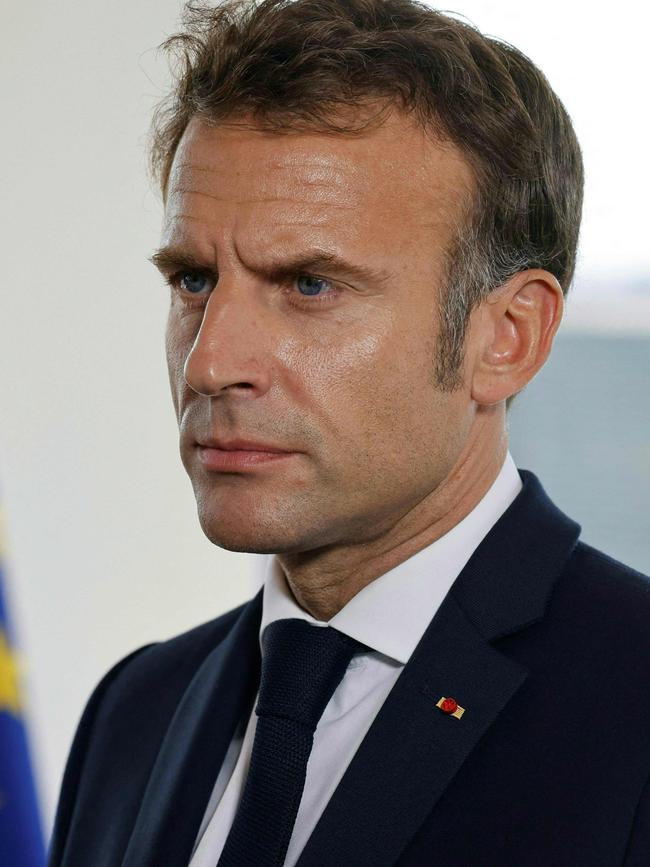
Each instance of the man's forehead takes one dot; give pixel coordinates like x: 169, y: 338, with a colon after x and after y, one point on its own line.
x: 394, y: 161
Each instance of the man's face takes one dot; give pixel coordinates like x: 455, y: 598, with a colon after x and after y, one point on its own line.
x: 306, y: 273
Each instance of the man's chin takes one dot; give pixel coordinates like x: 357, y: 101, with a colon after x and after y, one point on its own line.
x: 248, y: 537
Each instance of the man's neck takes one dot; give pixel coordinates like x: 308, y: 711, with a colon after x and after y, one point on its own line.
x: 325, y: 580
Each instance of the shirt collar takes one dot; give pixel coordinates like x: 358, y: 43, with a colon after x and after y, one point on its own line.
x: 391, y: 613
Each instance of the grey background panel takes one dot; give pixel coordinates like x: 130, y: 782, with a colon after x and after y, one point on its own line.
x: 583, y: 427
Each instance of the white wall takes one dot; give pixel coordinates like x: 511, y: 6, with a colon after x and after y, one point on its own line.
x: 595, y: 57
x: 105, y: 552
x: 105, y: 549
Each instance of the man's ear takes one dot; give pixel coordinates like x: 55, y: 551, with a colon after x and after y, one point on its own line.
x: 512, y: 334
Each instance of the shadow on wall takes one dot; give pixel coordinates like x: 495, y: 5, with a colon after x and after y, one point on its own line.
x: 583, y: 427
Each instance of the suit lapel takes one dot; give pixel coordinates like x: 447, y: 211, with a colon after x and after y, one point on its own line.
x: 413, y: 750
x: 219, y: 696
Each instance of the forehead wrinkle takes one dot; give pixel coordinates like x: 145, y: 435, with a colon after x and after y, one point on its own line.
x: 326, y: 165
x: 259, y: 201
x: 288, y: 162
x: 300, y: 220
x: 328, y: 183
x: 314, y: 222
x: 172, y: 218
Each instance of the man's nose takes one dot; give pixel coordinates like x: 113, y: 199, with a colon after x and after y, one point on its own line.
x: 231, y: 350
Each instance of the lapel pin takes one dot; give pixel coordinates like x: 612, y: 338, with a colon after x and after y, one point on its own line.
x: 450, y: 706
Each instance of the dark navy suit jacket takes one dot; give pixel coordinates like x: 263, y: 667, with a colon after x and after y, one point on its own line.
x: 542, y: 639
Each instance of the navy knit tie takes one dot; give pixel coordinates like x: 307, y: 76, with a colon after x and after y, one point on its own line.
x: 301, y: 668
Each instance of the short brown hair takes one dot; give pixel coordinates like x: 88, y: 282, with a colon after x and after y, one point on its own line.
x: 294, y: 64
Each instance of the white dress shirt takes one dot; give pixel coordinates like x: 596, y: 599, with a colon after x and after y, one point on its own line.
x: 390, y: 616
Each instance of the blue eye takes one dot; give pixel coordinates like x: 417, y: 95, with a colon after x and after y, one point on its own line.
x: 193, y: 282
x: 308, y: 285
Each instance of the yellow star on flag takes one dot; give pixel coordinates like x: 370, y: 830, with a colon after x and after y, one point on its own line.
x: 9, y: 692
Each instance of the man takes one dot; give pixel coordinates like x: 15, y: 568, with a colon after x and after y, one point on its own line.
x: 371, y: 217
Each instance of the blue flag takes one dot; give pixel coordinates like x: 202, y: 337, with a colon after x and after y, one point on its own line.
x: 21, y: 837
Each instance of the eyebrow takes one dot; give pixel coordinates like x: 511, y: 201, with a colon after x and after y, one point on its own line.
x: 174, y: 258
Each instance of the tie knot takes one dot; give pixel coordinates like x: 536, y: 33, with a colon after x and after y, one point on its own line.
x: 301, y: 668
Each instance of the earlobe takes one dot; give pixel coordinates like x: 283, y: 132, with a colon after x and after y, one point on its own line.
x: 514, y: 331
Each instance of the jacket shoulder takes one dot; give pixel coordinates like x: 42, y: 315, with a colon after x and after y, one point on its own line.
x: 144, y: 688
x: 128, y: 713
x: 607, y: 579
x: 172, y: 661
x: 594, y: 636
x: 598, y: 625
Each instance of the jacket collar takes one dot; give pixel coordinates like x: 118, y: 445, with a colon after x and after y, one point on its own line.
x: 509, y: 579
x: 391, y: 614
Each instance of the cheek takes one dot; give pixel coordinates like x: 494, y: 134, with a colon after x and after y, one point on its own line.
x: 172, y: 347
x: 335, y: 362
x: 405, y: 427
x: 365, y: 380
x: 179, y: 338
